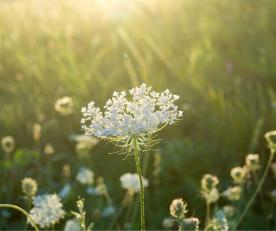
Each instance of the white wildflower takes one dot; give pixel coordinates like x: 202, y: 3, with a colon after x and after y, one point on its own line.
x: 144, y: 114
x: 8, y: 143
x: 85, y: 176
x: 64, y: 105
x: 47, y: 210
x: 253, y: 162
x: 130, y: 182
x: 72, y: 225
x: 233, y: 193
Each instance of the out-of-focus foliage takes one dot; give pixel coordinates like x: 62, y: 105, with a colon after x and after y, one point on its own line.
x: 218, y: 55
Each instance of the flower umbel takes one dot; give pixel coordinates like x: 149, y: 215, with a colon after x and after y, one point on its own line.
x: 47, y: 210
x: 123, y: 119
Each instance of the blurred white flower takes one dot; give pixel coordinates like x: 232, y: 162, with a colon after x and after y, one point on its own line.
x: 8, y: 143
x: 85, y: 176
x: 36, y: 132
x: 64, y: 105
x: 144, y: 114
x: 239, y: 174
x: 47, y: 210
x: 233, y: 193
x: 211, y: 196
x: 253, y: 162
x: 168, y: 223
x: 72, y: 225
x: 29, y: 186
x: 49, y: 149
x: 130, y: 182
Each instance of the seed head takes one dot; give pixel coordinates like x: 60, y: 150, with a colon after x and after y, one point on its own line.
x: 178, y: 208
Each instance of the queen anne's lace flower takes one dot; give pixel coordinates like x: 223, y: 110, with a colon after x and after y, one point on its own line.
x: 145, y: 113
x: 131, y: 182
x: 47, y: 210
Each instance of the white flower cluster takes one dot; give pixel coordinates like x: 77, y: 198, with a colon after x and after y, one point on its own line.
x: 145, y: 113
x: 47, y: 210
x: 130, y: 182
x: 85, y: 176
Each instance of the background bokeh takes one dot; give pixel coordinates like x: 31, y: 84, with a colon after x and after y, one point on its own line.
x: 218, y: 55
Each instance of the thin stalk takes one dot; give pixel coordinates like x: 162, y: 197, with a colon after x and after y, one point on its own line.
x: 22, y: 211
x: 142, y: 193
x: 207, y: 213
x: 259, y: 186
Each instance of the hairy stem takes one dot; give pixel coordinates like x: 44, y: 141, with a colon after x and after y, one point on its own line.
x: 22, y: 211
x: 259, y: 186
x: 142, y: 193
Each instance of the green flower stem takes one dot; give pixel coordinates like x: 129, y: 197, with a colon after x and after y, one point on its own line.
x: 208, y: 211
x: 22, y: 211
x: 259, y: 186
x: 142, y: 193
